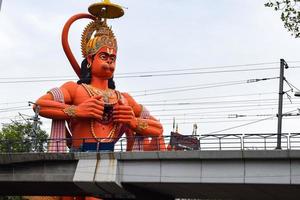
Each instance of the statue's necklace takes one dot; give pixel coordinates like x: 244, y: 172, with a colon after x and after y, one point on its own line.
x: 107, y: 116
x: 106, y: 94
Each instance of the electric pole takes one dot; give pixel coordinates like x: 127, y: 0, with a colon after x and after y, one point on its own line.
x: 36, y: 121
x: 283, y: 65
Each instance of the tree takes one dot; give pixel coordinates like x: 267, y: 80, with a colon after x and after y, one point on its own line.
x: 22, y: 137
x: 290, y: 14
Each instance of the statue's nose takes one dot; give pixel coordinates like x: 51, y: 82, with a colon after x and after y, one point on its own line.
x: 109, y: 61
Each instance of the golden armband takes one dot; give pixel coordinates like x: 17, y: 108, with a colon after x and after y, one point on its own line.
x: 141, y: 125
x: 70, y: 111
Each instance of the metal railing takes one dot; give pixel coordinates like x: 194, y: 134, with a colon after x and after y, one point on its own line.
x: 262, y: 141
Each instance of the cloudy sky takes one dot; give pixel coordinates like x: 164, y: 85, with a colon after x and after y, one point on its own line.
x: 190, y: 59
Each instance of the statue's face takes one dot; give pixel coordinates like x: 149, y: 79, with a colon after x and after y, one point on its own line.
x: 103, y: 63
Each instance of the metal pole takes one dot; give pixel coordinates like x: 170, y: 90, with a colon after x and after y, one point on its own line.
x: 35, y: 123
x: 279, y: 115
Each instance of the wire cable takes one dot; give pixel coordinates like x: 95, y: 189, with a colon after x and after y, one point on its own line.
x: 242, y: 125
x: 211, y: 97
x: 15, y: 80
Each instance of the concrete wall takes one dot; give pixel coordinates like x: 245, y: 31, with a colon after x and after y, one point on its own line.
x: 205, y: 174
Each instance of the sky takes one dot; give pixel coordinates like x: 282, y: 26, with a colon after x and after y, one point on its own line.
x: 189, y: 60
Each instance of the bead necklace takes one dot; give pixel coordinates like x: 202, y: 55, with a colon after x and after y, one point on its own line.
x: 110, y: 136
x: 106, y: 94
x: 92, y: 91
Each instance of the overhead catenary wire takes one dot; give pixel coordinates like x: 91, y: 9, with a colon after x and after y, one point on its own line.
x: 22, y: 80
x: 143, y: 74
x: 214, y: 121
x: 156, y: 71
x: 166, y: 100
x: 238, y: 101
x: 160, y: 71
x: 216, y: 117
x: 290, y: 84
x: 205, y: 84
x: 245, y: 101
x: 209, y: 97
x: 219, y: 111
x: 214, y: 107
x: 202, y: 87
x: 252, y: 122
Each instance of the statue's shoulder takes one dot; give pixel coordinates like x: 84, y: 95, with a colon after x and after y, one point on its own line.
x: 137, y: 108
x: 70, y: 84
x: 70, y: 87
x: 128, y: 97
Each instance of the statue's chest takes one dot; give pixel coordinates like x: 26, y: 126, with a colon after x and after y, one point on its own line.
x: 85, y: 92
x: 110, y: 98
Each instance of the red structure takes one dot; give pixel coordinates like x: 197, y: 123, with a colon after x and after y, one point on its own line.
x: 92, y: 107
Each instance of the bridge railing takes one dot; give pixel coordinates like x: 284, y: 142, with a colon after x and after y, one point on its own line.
x: 262, y: 141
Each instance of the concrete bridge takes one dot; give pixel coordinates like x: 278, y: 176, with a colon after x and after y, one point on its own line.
x: 264, y: 174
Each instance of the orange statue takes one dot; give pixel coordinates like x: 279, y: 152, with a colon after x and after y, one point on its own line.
x: 92, y: 107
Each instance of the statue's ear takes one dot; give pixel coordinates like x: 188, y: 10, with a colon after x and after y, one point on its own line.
x: 89, y: 59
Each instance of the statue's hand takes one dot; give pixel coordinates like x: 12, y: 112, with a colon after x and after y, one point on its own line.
x: 91, y: 108
x: 124, y: 114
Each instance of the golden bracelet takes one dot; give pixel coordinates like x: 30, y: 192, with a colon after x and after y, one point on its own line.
x: 142, y: 125
x: 70, y: 111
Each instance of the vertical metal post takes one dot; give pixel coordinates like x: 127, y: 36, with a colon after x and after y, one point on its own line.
x: 0, y: 4
x: 279, y: 115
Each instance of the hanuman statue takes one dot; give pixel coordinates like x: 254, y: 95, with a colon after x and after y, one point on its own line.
x: 92, y: 107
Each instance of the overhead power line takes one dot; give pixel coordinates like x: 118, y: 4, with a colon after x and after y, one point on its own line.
x: 202, y: 68
x: 146, y: 75
x: 196, y: 73
x: 209, y: 102
x: 169, y: 100
x: 143, y: 74
x: 215, y: 107
x: 242, y: 125
x: 220, y: 111
x: 212, y: 85
x: 230, y: 116
x: 205, y: 84
x: 156, y: 71
x: 209, y: 97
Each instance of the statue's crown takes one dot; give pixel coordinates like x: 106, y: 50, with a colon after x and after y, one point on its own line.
x: 95, y: 36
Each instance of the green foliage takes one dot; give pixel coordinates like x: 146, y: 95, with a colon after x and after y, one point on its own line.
x: 22, y: 137
x: 290, y: 14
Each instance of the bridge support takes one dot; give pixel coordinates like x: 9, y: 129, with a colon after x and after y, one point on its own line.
x: 99, y: 176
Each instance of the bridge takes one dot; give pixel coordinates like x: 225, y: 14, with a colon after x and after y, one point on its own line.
x: 227, y: 174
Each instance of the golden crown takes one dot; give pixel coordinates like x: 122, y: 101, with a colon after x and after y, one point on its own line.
x: 95, y: 36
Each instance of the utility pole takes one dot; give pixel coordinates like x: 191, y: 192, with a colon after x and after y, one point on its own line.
x: 283, y: 65
x: 0, y: 4
x: 36, y: 118
x: 36, y: 121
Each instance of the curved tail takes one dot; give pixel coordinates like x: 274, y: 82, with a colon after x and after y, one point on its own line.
x: 65, y: 42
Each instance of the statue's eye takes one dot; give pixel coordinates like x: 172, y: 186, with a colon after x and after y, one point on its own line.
x: 112, y: 58
x: 103, y: 56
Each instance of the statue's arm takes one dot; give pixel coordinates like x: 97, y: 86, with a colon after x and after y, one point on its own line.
x: 53, y: 109
x: 133, y: 115
x: 90, y: 108
x: 129, y: 139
